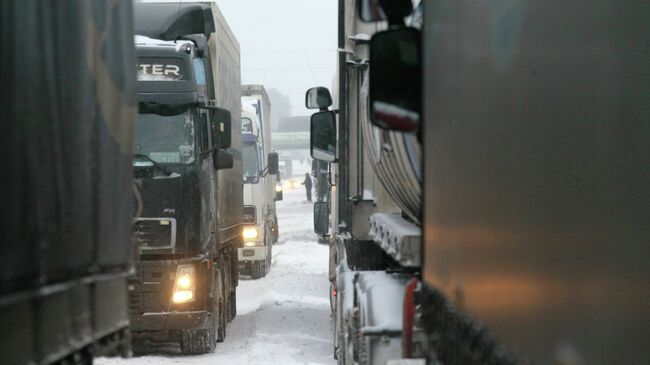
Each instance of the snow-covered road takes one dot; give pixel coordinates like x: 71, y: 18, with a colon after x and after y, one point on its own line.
x: 283, y: 318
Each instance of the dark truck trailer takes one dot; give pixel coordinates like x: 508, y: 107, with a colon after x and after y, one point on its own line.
x: 186, y: 231
x: 67, y: 95
x: 537, y: 178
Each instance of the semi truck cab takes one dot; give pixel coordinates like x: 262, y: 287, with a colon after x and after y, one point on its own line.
x: 259, y: 198
x: 180, y: 290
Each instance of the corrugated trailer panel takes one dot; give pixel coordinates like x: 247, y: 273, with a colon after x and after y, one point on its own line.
x: 227, y: 71
x: 68, y: 98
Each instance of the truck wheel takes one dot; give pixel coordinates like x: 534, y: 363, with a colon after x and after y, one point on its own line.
x: 195, y: 342
x: 233, y: 305
x: 263, y: 271
x: 255, y: 270
x: 227, y: 288
x: 269, y: 243
x: 221, y: 326
x: 218, y: 313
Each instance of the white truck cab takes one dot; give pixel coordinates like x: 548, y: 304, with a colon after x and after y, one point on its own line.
x: 260, y: 167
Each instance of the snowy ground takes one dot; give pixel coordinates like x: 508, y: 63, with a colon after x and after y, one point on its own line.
x: 283, y: 318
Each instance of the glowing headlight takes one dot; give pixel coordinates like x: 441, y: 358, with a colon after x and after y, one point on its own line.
x: 184, y: 284
x: 278, y: 188
x: 295, y: 184
x: 183, y: 296
x: 250, y: 244
x: 250, y: 232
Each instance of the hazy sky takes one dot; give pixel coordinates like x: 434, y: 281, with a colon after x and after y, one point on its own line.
x: 289, y: 45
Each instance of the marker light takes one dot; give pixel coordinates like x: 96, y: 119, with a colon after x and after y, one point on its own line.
x: 250, y: 232
x: 184, y: 284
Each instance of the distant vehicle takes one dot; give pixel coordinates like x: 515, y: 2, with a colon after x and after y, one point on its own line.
x: 68, y: 111
x: 189, y: 179
x: 282, y: 169
x: 292, y: 183
x: 525, y: 125
x: 260, y: 165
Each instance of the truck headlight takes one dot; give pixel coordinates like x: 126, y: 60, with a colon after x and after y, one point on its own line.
x: 184, y: 284
x: 278, y: 188
x: 250, y: 232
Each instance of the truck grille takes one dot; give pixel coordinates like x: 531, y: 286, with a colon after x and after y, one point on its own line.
x: 150, y: 289
x: 154, y: 232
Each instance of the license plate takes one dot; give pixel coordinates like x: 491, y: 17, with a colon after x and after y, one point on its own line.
x: 249, y: 252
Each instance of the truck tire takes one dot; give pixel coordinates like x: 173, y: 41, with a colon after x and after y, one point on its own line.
x: 221, y: 325
x: 258, y: 269
x: 219, y: 313
x: 196, y: 342
x: 269, y: 243
x: 233, y: 305
x: 255, y: 270
x: 276, y: 229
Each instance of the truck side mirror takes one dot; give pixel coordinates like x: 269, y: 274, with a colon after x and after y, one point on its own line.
x: 395, y: 80
x: 221, y: 128
x: 221, y: 160
x: 318, y: 98
x: 321, y: 218
x: 323, y: 136
x: 273, y: 163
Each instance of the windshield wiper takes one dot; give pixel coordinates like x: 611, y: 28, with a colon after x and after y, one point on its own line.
x: 155, y: 164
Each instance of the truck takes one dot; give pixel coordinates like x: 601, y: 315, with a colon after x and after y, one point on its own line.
x: 188, y: 175
x: 509, y: 144
x: 68, y: 103
x: 260, y: 165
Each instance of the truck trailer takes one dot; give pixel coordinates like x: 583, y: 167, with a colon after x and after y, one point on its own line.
x: 507, y: 142
x: 67, y: 95
x: 260, y: 230
x: 188, y: 174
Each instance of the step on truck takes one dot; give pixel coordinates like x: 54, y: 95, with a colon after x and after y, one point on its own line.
x: 524, y: 125
x: 68, y: 103
x: 188, y: 173
x: 260, y: 166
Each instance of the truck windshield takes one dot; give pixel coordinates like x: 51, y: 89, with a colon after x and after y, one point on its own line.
x: 251, y: 163
x: 166, y: 139
x: 246, y: 125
